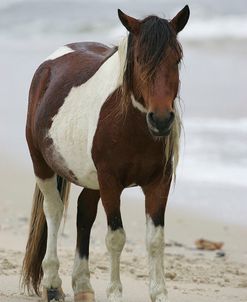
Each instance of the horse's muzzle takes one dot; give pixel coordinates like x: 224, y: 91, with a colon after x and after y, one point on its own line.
x: 160, y: 126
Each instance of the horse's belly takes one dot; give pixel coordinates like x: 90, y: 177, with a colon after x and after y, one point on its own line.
x: 71, y: 133
x: 71, y: 157
x: 81, y: 169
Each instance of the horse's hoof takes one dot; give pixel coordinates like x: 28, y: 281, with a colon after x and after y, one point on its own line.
x: 115, y: 297
x: 161, y: 298
x: 53, y: 295
x: 84, y: 297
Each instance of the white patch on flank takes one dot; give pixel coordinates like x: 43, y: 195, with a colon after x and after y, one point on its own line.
x: 115, y: 241
x: 53, y: 209
x: 138, y: 105
x: 59, y: 53
x: 74, y: 126
x: 155, y: 247
x: 81, y: 275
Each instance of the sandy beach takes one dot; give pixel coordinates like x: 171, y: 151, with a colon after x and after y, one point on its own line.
x: 192, y: 275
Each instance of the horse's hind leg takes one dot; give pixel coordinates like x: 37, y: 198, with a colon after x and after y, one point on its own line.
x: 86, y: 214
x: 53, y: 209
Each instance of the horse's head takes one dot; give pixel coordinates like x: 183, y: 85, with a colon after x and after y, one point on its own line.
x: 151, y: 76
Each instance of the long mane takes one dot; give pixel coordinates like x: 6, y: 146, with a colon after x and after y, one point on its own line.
x: 156, y: 38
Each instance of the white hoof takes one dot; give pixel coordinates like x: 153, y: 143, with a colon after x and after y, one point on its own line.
x: 115, y: 297
x: 84, y: 297
x: 161, y: 298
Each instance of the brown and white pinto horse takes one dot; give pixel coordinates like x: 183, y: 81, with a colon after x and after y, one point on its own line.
x: 104, y: 119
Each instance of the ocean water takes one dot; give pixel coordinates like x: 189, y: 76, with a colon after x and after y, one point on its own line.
x: 209, y: 19
x: 212, y: 175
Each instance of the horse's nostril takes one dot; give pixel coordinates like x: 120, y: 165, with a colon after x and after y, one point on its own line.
x: 161, y: 124
x: 151, y: 117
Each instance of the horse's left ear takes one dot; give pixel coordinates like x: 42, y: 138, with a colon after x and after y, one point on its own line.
x: 181, y: 19
x: 130, y: 23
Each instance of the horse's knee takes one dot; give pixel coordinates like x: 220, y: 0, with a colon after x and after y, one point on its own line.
x: 115, y: 240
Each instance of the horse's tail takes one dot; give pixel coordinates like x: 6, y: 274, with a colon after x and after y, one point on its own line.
x: 32, y: 272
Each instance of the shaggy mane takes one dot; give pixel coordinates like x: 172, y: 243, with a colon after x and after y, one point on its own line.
x: 156, y: 39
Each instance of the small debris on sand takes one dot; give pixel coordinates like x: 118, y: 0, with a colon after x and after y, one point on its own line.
x: 171, y: 275
x: 220, y: 254
x: 6, y: 265
x: 203, y: 244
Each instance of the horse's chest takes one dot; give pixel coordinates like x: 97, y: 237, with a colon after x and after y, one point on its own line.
x: 133, y: 160
x: 142, y: 171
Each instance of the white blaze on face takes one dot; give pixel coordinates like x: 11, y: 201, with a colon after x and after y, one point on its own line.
x: 138, y: 105
x: 74, y: 126
x: 59, y: 53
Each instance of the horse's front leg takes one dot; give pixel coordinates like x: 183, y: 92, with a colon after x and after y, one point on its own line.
x: 156, y: 198
x: 110, y: 192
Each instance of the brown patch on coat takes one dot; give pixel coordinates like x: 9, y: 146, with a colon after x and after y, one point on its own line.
x: 51, y: 84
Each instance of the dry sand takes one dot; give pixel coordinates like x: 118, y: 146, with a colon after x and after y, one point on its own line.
x: 192, y: 275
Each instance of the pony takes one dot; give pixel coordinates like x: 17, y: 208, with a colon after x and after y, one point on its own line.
x: 104, y: 119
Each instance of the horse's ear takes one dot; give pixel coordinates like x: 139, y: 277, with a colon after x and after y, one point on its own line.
x: 130, y: 23
x: 181, y: 19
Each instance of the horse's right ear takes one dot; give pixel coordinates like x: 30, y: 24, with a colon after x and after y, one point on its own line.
x: 130, y: 23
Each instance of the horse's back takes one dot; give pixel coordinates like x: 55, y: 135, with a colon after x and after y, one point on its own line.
x: 65, y: 99
x: 69, y: 66
x: 91, y: 47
